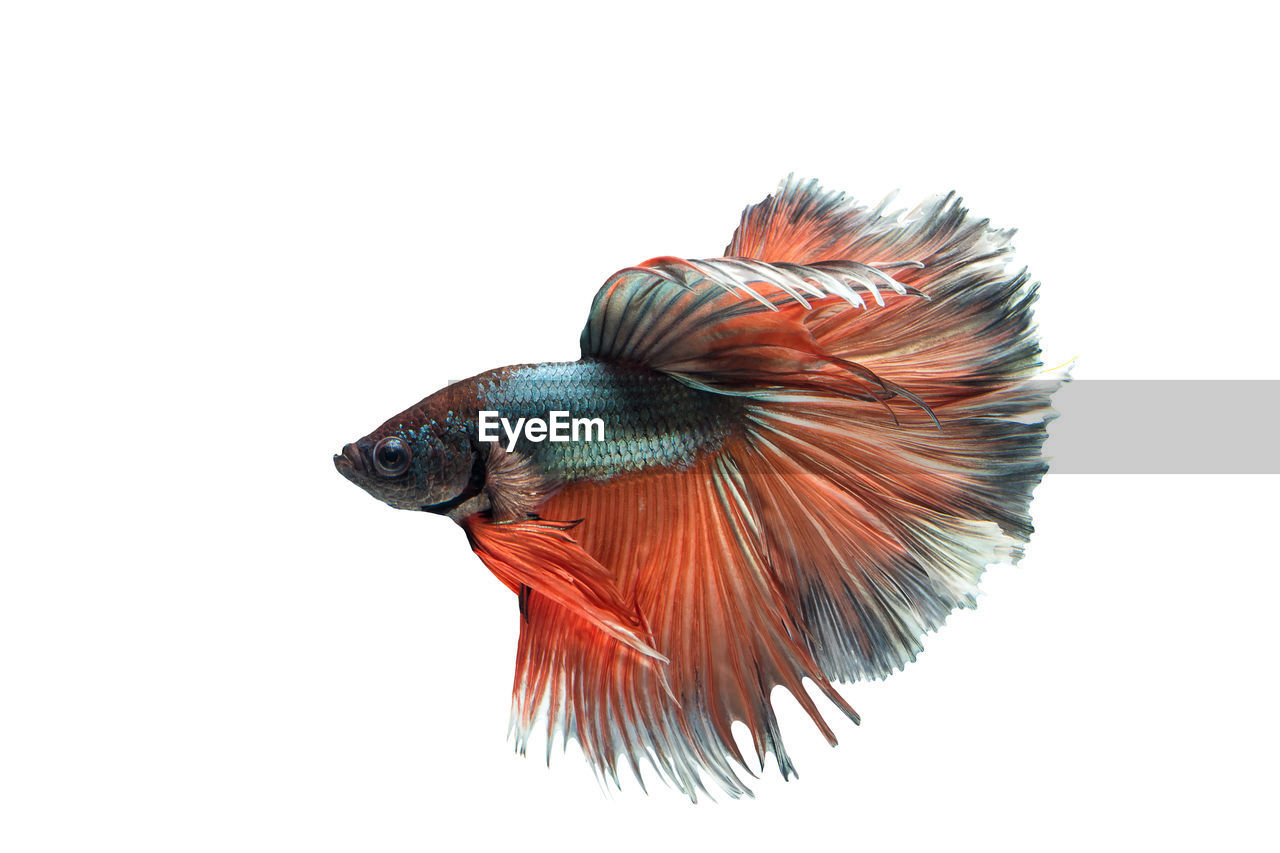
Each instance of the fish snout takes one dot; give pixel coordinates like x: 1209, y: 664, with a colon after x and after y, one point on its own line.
x: 350, y: 460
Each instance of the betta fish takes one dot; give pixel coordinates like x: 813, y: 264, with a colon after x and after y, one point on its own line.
x: 795, y: 460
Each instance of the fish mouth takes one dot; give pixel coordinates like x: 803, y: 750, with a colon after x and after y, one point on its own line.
x: 349, y: 462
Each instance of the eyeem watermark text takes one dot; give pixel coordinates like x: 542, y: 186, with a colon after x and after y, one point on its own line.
x: 557, y: 427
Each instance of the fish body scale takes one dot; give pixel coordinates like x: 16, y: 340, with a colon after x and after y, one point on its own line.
x: 650, y: 420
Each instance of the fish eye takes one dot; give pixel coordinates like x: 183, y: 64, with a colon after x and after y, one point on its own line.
x: 391, y: 456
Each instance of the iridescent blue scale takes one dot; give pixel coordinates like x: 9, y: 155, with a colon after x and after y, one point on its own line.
x: 650, y: 419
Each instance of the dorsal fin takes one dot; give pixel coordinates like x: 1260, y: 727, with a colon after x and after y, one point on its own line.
x: 800, y: 223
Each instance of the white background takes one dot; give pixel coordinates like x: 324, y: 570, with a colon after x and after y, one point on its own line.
x: 238, y: 235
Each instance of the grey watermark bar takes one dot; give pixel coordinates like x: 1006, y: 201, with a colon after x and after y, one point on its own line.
x: 1180, y: 426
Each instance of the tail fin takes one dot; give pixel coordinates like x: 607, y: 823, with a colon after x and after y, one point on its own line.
x: 949, y: 497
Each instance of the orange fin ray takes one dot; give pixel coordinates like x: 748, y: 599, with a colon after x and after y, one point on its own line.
x: 687, y: 546
x: 542, y: 556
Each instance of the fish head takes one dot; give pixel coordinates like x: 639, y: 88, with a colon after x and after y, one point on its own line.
x: 423, y: 458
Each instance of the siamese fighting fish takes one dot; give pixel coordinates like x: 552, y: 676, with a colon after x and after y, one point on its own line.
x: 791, y: 461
